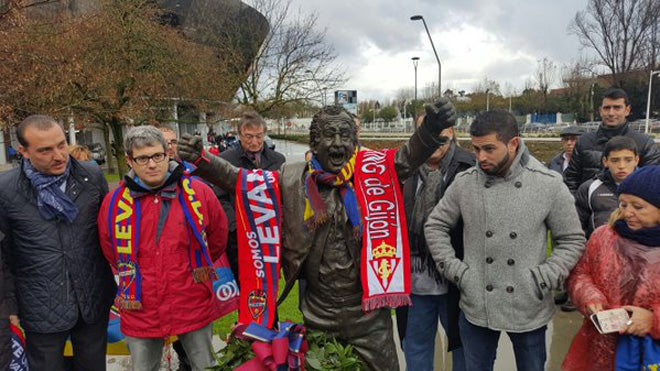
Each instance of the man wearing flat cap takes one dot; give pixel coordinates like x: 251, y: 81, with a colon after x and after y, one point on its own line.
x: 569, y: 137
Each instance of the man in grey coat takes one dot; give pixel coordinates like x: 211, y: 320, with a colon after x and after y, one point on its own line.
x: 507, y: 203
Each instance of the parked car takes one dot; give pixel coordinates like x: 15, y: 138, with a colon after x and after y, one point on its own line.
x: 98, y: 153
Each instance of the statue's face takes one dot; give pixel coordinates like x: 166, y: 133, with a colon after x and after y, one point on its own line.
x: 335, y: 144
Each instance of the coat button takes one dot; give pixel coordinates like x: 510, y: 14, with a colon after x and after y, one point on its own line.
x: 511, y: 262
x: 442, y: 265
x: 487, y: 185
x: 509, y: 289
x: 489, y: 233
x: 543, y: 285
x: 455, y: 278
x: 513, y: 235
x: 489, y: 288
x: 518, y: 184
x: 489, y: 260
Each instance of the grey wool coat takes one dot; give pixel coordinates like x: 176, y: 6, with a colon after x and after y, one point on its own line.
x: 505, y: 278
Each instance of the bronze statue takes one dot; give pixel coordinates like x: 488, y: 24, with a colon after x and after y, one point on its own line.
x: 325, y: 251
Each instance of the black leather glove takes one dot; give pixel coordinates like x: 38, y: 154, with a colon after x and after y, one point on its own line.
x: 439, y: 115
x: 191, y: 148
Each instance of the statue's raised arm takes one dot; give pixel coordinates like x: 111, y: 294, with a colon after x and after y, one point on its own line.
x: 211, y: 168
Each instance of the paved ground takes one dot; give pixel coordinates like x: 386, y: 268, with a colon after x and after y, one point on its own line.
x: 560, y: 334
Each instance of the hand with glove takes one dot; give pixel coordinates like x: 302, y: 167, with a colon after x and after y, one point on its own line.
x: 191, y: 149
x: 439, y: 115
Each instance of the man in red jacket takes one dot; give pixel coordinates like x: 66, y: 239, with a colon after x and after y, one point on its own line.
x: 162, y: 230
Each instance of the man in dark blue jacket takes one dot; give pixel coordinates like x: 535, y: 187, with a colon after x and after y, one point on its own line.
x: 64, y: 286
x: 7, y: 309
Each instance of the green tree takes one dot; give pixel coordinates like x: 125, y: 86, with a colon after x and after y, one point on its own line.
x: 114, y: 65
x: 388, y: 114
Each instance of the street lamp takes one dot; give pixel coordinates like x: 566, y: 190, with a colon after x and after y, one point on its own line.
x: 648, y: 101
x: 417, y: 18
x: 415, y: 61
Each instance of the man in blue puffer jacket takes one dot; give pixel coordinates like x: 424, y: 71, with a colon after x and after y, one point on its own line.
x: 64, y: 286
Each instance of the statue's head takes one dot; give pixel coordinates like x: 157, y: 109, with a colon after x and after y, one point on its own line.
x: 333, y: 137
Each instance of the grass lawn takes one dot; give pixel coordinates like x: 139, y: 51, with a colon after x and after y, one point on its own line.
x: 111, y: 178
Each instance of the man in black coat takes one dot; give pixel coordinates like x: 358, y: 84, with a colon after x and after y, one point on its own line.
x: 433, y: 297
x: 7, y: 309
x: 251, y: 153
x: 569, y: 138
x: 64, y: 286
x: 586, y: 161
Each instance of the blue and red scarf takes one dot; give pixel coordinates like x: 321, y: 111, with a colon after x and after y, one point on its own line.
x: 19, y: 361
x: 259, y: 228
x: 124, y: 222
x: 316, y: 211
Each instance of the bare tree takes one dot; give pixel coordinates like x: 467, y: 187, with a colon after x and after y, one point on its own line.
x: 621, y: 32
x: 579, y: 85
x: 296, y: 63
x: 492, y: 86
x: 545, y: 76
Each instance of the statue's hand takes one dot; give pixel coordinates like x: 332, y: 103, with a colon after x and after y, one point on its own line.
x: 439, y: 115
x: 191, y: 148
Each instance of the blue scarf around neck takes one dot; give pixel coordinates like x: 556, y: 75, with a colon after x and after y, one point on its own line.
x: 52, y: 202
x: 647, y: 236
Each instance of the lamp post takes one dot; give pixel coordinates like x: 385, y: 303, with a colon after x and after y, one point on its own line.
x: 648, y: 101
x: 415, y: 61
x: 417, y: 18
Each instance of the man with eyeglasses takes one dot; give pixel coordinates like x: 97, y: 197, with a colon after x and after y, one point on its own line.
x: 178, y: 227
x: 586, y: 161
x: 433, y: 297
x: 250, y: 154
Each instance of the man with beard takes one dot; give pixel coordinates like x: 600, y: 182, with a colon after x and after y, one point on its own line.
x: 507, y: 204
x: 326, y: 251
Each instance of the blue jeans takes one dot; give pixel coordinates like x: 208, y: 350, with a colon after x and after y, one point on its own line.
x: 419, y: 342
x: 146, y: 354
x: 480, y: 347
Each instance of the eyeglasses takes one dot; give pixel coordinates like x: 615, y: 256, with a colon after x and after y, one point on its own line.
x: 156, y: 157
x: 250, y: 136
x: 173, y: 142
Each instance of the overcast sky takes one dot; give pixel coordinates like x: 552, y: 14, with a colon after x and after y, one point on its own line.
x: 475, y: 39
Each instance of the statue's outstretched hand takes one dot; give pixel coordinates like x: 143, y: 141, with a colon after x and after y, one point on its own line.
x: 439, y: 115
x: 191, y: 147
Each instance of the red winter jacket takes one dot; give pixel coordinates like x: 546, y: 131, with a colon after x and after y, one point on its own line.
x: 613, y: 271
x: 172, y: 302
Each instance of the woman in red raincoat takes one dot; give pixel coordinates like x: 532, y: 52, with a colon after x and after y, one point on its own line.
x: 620, y: 268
